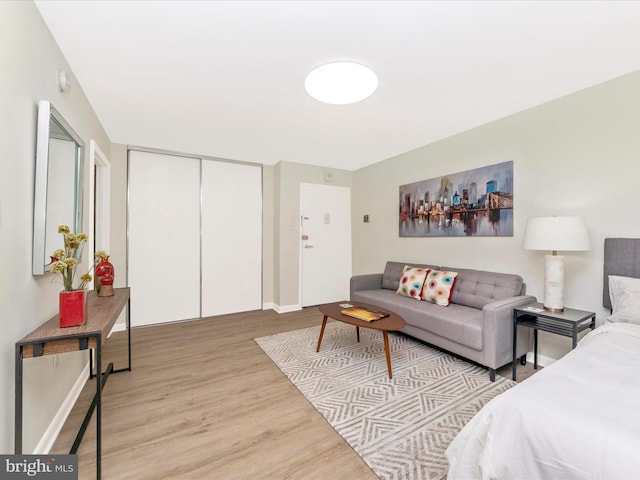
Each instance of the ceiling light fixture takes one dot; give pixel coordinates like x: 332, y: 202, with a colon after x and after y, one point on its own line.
x: 341, y: 83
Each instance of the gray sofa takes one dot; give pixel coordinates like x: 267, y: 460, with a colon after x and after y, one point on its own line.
x: 477, y: 324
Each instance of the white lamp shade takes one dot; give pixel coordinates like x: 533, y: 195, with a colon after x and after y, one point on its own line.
x: 553, y: 234
x: 556, y: 233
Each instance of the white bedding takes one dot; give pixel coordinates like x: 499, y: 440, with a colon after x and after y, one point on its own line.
x: 577, y: 418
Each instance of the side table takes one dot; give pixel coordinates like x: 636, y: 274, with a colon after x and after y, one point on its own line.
x: 568, y: 323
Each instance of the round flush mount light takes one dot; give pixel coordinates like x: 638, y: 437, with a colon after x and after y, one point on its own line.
x: 341, y: 83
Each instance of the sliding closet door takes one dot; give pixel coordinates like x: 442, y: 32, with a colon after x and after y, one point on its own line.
x: 231, y: 238
x: 164, y: 240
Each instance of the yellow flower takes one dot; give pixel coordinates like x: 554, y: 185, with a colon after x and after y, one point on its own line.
x: 70, y: 262
x: 102, y: 254
x: 57, y: 267
x: 64, y: 261
x: 71, y: 240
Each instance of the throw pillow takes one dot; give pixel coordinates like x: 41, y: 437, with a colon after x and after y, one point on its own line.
x: 411, y: 281
x: 438, y: 287
x: 625, y: 299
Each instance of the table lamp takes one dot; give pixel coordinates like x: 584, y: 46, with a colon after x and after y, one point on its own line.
x: 554, y: 234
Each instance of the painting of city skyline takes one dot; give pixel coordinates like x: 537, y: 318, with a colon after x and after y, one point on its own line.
x: 476, y: 202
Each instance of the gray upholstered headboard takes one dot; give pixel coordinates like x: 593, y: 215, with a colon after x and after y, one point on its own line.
x: 621, y: 257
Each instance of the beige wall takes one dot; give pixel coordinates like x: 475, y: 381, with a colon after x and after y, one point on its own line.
x: 578, y: 155
x: 287, y: 179
x: 30, y: 58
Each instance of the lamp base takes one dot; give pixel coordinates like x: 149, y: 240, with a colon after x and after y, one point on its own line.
x: 554, y: 283
x: 554, y: 310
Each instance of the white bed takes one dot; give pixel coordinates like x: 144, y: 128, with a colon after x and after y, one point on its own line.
x: 578, y: 418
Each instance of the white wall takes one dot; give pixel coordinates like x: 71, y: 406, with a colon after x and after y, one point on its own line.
x: 578, y: 155
x: 28, y: 65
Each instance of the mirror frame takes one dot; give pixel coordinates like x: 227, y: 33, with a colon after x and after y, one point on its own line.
x: 46, y: 114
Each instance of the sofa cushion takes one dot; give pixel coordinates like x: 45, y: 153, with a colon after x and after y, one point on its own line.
x: 411, y: 282
x: 459, y: 324
x: 439, y: 286
x: 476, y: 288
x: 393, y: 272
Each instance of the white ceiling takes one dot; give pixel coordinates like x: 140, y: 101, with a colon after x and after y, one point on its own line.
x: 225, y: 79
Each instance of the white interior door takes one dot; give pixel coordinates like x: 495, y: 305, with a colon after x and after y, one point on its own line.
x: 164, y: 237
x: 326, y: 243
x: 231, y: 238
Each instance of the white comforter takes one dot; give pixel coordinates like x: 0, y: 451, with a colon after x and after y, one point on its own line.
x: 577, y: 418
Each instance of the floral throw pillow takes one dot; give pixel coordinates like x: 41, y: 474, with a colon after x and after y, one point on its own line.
x: 438, y: 287
x: 411, y: 281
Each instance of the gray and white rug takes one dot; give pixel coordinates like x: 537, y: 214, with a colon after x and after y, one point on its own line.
x: 400, y: 427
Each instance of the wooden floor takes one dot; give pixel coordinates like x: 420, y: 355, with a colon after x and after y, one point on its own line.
x: 204, y: 402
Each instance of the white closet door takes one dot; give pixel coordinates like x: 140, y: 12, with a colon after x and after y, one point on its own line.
x: 164, y: 239
x: 231, y: 238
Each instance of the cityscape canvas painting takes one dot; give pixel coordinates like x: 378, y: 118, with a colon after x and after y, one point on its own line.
x: 477, y: 202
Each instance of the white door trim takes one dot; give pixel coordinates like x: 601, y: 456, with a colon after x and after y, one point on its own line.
x: 99, y: 201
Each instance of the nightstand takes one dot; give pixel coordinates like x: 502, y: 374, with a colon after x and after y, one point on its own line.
x: 568, y: 323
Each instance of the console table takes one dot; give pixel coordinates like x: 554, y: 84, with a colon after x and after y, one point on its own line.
x: 49, y: 339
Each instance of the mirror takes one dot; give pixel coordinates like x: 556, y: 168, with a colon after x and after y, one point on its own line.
x: 58, y: 184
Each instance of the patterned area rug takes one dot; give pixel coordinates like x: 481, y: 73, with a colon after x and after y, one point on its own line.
x: 400, y: 427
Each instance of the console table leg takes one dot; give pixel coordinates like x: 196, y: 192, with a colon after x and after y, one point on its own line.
x: 99, y: 408
x: 18, y: 404
x: 324, y: 324
x: 129, y: 331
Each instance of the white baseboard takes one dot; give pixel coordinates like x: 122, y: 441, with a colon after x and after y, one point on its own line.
x: 268, y: 306
x: 286, y: 308
x: 543, y: 361
x: 51, y: 433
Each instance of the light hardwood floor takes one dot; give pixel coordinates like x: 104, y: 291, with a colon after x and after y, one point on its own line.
x: 204, y: 402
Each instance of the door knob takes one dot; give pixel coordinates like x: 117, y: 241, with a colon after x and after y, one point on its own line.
x: 308, y: 246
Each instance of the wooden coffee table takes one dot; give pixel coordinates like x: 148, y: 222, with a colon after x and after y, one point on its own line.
x: 385, y: 325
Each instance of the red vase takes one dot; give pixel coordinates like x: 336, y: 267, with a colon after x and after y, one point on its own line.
x: 104, y: 274
x: 73, y: 308
x: 106, y: 285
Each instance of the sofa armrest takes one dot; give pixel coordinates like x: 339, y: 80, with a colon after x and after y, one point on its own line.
x: 371, y: 281
x: 498, y: 331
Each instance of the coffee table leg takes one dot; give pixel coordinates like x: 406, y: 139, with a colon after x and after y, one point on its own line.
x: 385, y: 334
x: 358, y: 333
x: 324, y: 324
